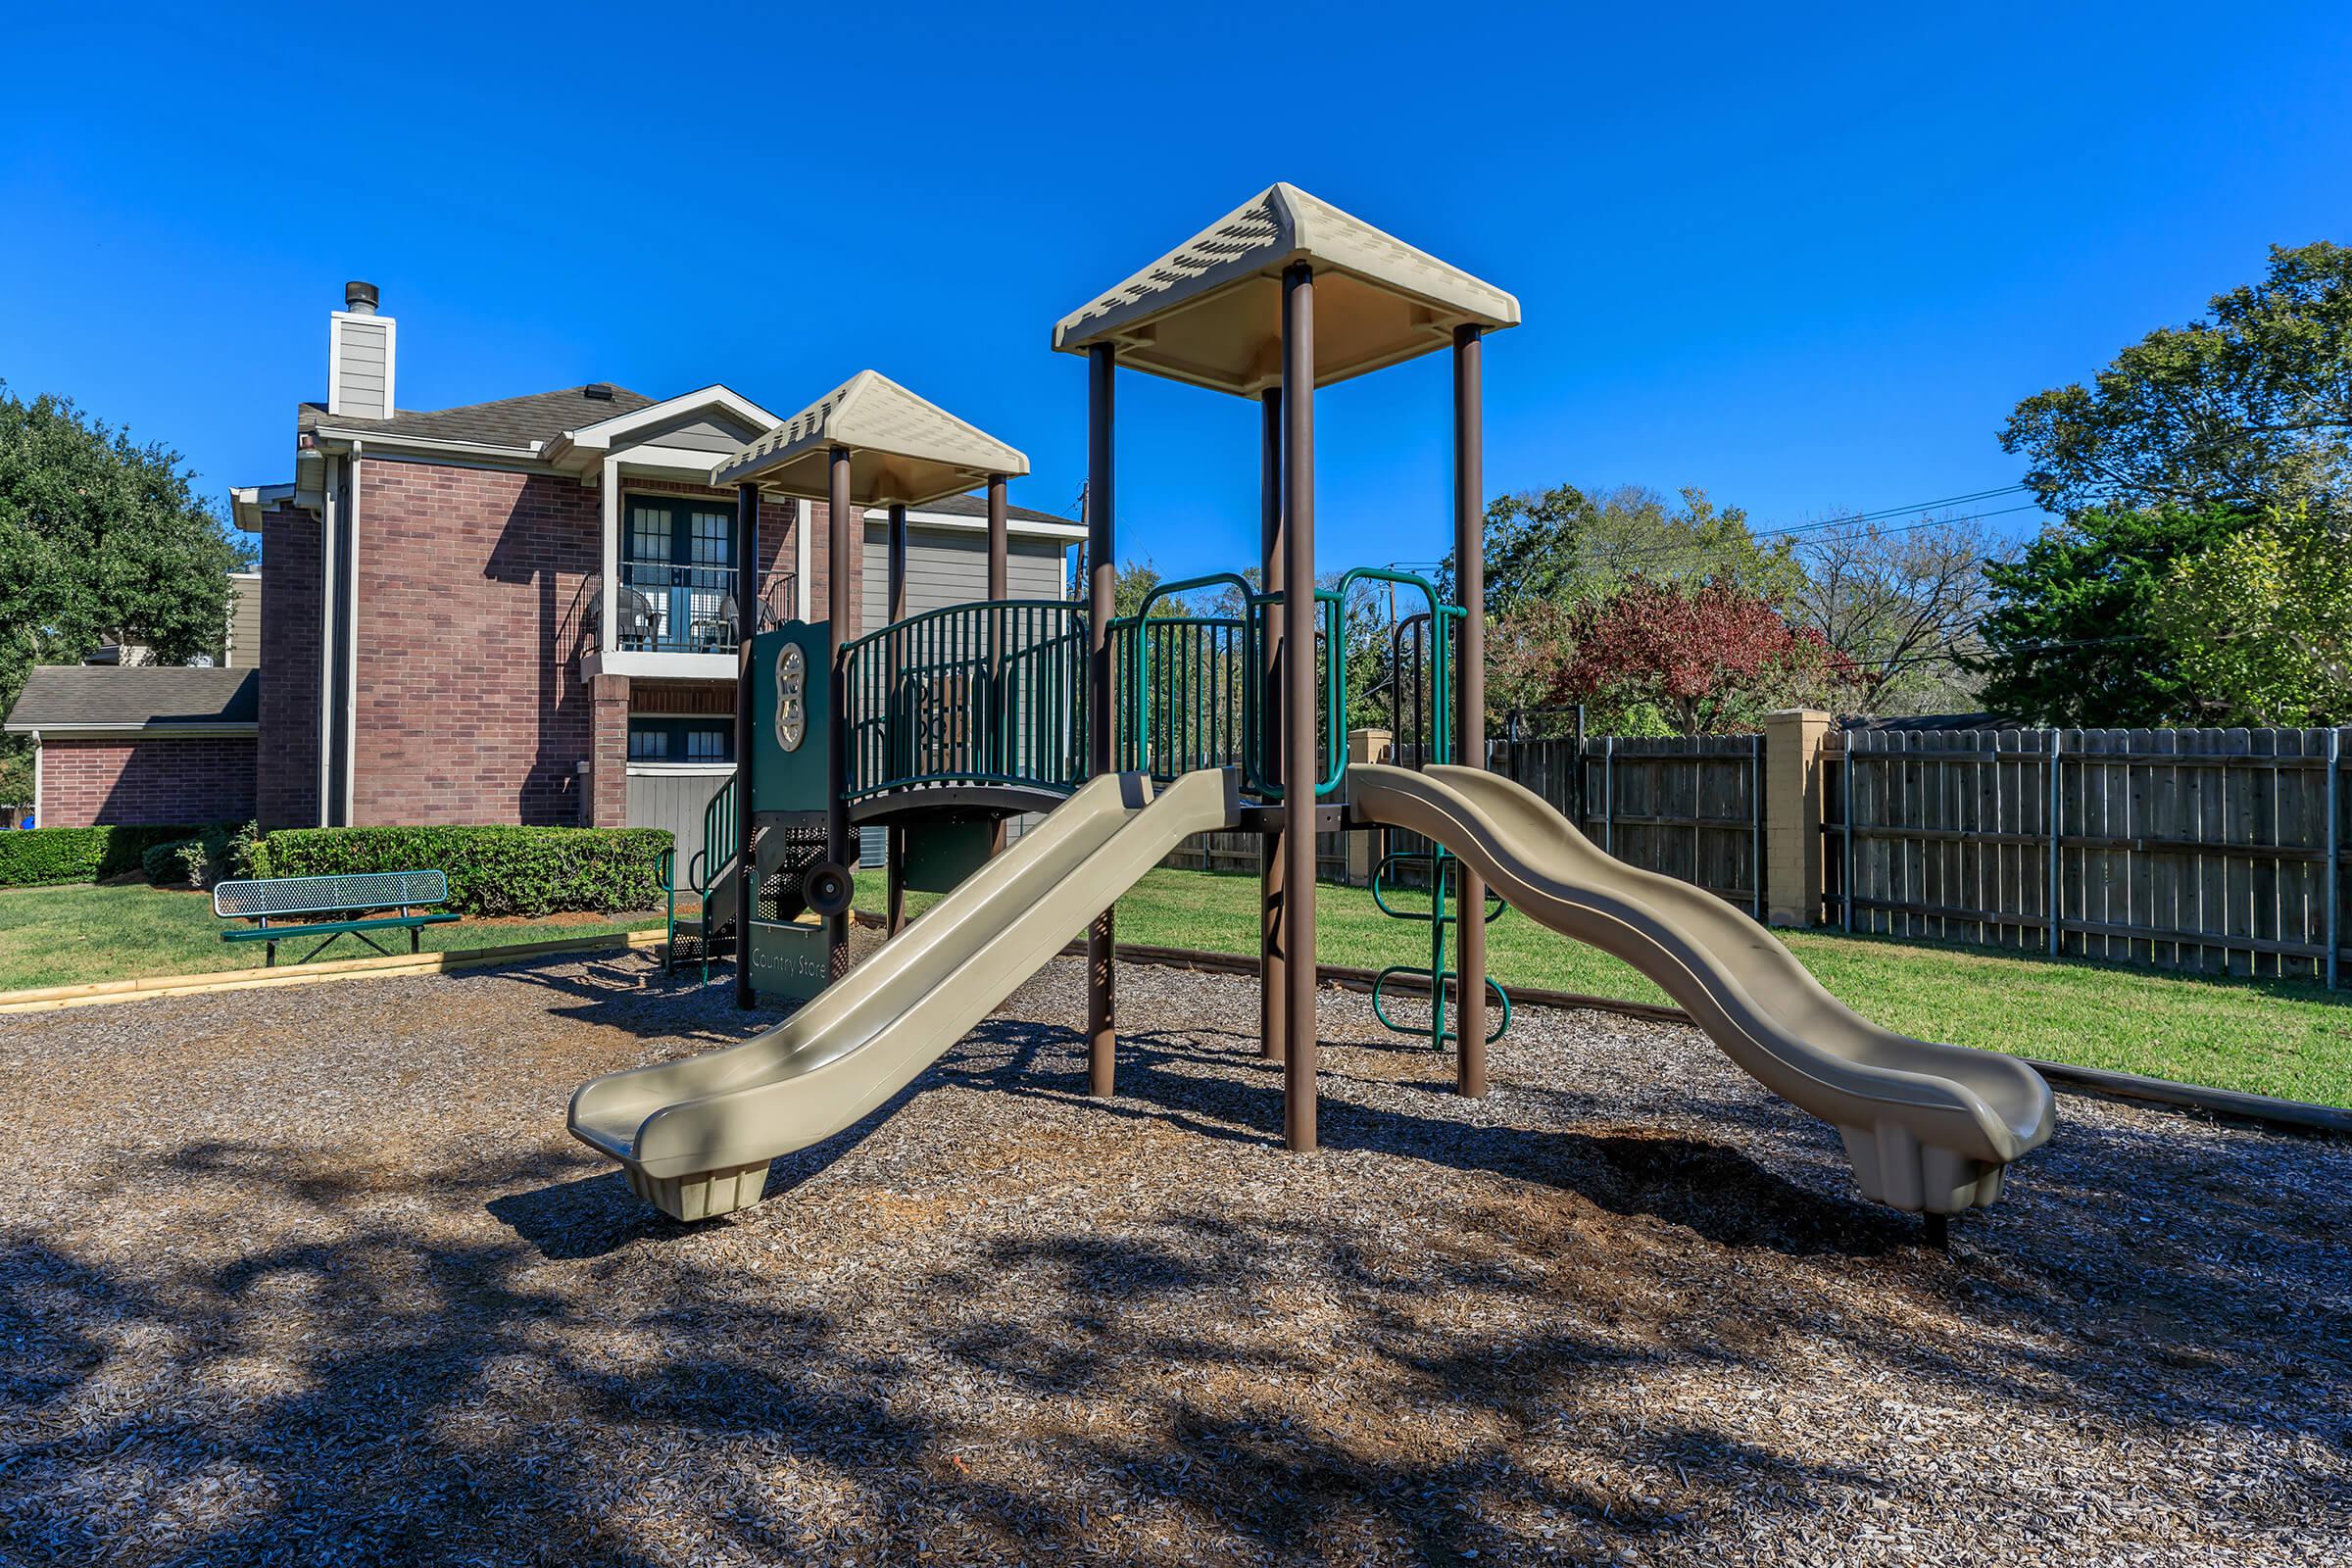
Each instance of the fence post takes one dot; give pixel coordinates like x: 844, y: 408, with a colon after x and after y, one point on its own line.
x: 1367, y: 746
x: 2056, y: 910
x: 2335, y: 891
x: 1755, y: 823
x: 1577, y: 800
x: 1845, y: 818
x: 1790, y: 809
x: 1609, y: 792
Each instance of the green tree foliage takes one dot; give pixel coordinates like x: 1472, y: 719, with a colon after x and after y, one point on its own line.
x: 2261, y: 623
x: 1569, y: 543
x: 2250, y: 407
x: 2069, y: 639
x: 100, y: 538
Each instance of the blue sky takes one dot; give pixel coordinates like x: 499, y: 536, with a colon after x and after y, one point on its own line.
x: 1805, y: 262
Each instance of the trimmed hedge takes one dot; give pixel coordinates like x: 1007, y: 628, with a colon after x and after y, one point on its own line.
x: 492, y: 870
x: 40, y: 855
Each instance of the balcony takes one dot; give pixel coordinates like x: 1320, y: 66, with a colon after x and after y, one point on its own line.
x: 672, y: 620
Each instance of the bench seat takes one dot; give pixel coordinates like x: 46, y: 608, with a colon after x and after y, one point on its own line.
x: 332, y: 907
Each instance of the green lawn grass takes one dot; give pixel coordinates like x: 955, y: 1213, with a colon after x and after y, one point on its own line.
x: 2282, y: 1037
x: 70, y: 934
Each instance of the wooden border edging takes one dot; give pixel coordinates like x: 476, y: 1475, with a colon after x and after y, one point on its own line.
x: 50, y: 999
x: 2297, y: 1114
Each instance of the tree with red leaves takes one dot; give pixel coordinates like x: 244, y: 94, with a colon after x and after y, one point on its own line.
x: 1703, y: 658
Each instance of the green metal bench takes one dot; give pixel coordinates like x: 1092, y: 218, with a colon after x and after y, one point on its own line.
x: 332, y: 907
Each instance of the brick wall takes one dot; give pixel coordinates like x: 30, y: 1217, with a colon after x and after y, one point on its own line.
x: 286, y: 755
x: 473, y: 595
x: 142, y: 782
x: 468, y: 705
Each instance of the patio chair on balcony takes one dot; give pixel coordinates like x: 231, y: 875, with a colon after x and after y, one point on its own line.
x: 717, y: 633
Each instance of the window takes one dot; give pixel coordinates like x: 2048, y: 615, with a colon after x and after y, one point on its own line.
x: 679, y: 560
x: 657, y: 739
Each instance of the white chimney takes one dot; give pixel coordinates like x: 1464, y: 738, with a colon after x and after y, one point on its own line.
x: 359, y: 353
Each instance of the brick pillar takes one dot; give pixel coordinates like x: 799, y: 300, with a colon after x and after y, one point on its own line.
x: 1366, y: 746
x: 1792, y: 791
x: 607, y: 781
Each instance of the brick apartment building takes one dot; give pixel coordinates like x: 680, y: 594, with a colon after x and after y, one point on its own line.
x: 434, y: 643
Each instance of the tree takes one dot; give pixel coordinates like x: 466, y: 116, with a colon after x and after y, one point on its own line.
x: 2261, y: 623
x: 2250, y: 407
x: 100, y: 539
x: 2069, y: 639
x: 1566, y: 543
x: 1903, y: 603
x: 1703, y: 656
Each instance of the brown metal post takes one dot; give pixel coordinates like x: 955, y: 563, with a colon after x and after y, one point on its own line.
x: 1298, y: 769
x: 1101, y: 557
x: 747, y: 862
x: 1470, y: 688
x: 894, y: 861
x: 999, y: 549
x: 1271, y: 994
x: 844, y: 537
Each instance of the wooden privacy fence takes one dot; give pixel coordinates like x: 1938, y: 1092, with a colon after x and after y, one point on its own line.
x: 2207, y: 850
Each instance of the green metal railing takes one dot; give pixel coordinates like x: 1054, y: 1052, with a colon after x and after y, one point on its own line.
x: 1193, y: 694
x: 990, y: 693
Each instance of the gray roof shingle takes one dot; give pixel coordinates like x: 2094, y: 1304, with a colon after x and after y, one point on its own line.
x: 159, y: 696
x: 977, y: 507
x: 505, y: 423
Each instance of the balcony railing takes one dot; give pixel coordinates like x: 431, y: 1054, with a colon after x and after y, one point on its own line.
x: 660, y: 606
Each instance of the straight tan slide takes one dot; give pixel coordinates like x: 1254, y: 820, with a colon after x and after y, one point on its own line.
x: 695, y: 1135
x: 1928, y: 1127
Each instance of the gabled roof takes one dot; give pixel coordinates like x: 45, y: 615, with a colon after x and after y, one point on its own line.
x: 1210, y: 312
x: 516, y: 423
x: 157, y: 697
x: 902, y: 449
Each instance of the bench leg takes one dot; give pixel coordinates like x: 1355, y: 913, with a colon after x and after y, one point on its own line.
x: 416, y: 938
x: 269, y: 955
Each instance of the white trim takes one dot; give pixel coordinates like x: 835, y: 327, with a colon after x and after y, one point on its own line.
x: 1014, y: 527
x: 599, y: 435
x: 247, y: 503
x: 801, y: 550
x: 608, y: 640
x: 335, y: 360
x: 327, y: 523
x: 681, y: 769
x: 663, y: 667
x: 421, y: 443
x: 40, y: 803
x: 192, y: 730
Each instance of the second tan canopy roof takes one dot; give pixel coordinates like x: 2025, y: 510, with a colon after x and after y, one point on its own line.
x: 902, y: 449
x: 1210, y: 312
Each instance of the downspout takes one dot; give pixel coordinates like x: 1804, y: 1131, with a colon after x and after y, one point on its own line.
x: 41, y: 812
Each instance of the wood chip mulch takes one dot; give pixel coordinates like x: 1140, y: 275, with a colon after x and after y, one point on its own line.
x: 315, y: 1277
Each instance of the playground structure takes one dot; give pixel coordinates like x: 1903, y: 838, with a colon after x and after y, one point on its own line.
x: 1133, y: 733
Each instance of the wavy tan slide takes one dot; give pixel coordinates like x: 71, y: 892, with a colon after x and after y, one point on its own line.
x: 1928, y: 1127
x: 697, y: 1136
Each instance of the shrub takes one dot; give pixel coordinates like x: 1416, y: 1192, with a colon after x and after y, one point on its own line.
x: 491, y: 870
x: 36, y: 857
x: 199, y: 862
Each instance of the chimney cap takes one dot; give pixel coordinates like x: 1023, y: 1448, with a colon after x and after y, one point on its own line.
x: 360, y: 298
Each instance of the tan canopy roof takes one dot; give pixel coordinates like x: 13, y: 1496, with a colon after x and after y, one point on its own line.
x: 902, y: 449
x: 1210, y: 312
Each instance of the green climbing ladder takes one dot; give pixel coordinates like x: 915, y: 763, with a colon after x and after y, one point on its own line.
x: 1421, y: 700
